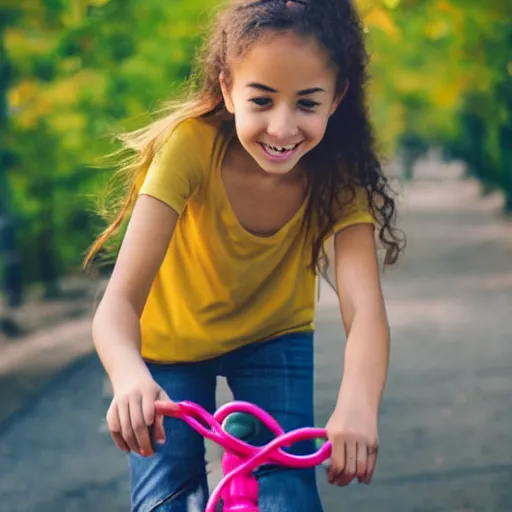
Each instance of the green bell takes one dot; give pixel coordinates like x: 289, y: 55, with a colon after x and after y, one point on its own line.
x: 242, y: 425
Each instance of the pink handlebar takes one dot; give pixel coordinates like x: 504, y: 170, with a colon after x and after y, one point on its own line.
x: 209, y: 426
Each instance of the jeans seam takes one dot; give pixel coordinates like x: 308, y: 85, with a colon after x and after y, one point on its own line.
x: 175, y: 495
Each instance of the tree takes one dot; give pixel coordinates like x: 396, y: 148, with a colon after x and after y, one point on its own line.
x: 83, y: 70
x: 443, y: 76
x: 9, y: 254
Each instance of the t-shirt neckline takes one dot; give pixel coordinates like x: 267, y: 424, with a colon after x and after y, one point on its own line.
x: 283, y: 231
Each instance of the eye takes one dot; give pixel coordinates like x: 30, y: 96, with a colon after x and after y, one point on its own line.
x: 308, y: 105
x: 261, y: 102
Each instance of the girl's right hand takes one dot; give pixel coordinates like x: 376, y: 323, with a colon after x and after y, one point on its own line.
x: 131, y: 416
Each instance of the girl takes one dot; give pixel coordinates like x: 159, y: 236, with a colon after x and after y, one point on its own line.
x: 232, y: 197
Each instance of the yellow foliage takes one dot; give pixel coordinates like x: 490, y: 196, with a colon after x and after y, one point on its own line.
x: 29, y: 115
x: 22, y: 94
x: 437, y: 28
x: 15, y: 4
x: 409, y: 82
x: 27, y: 104
x: 444, y: 6
x: 19, y: 41
x: 380, y: 18
x: 445, y: 96
x: 391, y: 4
x: 65, y: 92
x: 30, y: 101
x: 70, y: 123
x: 364, y: 7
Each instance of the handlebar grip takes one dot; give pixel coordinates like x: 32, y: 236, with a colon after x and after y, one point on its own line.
x: 243, y: 426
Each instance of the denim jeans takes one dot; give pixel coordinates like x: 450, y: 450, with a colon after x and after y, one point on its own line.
x: 276, y: 375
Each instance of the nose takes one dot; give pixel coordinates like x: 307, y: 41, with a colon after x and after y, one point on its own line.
x: 282, y: 125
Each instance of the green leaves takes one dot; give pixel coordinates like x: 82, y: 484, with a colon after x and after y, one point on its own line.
x: 80, y: 72
x: 438, y: 63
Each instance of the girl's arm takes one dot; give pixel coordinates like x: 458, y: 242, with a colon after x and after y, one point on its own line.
x: 116, y: 324
x: 354, y: 423
x: 363, y: 312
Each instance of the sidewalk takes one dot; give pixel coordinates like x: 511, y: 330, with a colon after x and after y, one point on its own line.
x: 446, y: 441
x: 57, y: 334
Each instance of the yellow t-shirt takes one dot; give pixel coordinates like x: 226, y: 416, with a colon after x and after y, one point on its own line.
x: 220, y: 287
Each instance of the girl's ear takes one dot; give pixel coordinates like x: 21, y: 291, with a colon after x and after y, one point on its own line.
x: 339, y: 98
x: 226, y: 93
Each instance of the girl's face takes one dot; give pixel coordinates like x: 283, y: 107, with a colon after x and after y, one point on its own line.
x: 282, y: 92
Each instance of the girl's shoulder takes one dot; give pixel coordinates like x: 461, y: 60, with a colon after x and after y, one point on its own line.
x: 180, y: 167
x: 194, y: 144
x: 199, y: 134
x: 191, y: 144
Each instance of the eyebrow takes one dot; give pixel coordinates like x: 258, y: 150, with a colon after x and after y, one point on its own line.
x: 266, y: 88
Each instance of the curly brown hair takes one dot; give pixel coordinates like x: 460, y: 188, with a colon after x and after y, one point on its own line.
x: 346, y: 157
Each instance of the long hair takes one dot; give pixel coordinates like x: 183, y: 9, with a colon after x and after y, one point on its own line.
x: 346, y: 157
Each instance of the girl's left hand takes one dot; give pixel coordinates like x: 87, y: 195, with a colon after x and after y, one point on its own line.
x: 352, y: 431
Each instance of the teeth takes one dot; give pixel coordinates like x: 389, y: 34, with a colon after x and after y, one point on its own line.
x: 281, y: 149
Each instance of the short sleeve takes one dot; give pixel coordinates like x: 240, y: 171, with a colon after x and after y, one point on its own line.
x: 179, y: 166
x: 355, y: 212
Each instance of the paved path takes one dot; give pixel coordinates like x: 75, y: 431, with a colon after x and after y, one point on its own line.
x: 446, y: 435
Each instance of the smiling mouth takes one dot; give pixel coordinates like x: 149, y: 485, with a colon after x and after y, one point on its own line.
x: 280, y: 150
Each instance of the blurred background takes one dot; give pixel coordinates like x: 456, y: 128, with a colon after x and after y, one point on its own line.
x: 73, y: 73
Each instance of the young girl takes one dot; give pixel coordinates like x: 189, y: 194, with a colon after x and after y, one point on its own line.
x: 232, y: 197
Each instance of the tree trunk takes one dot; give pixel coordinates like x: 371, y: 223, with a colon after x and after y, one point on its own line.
x: 506, y: 162
x: 10, y: 262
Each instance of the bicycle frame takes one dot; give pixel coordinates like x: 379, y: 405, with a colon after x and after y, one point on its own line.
x: 239, y: 487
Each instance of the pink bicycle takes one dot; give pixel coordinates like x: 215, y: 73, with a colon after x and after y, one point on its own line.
x: 227, y: 426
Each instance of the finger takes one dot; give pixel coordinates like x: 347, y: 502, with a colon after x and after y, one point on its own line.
x: 148, y: 409
x: 347, y: 475
x: 361, y: 461
x: 126, y: 427
x: 337, y: 461
x: 158, y: 424
x: 114, y: 426
x: 140, y: 429
x: 372, y: 462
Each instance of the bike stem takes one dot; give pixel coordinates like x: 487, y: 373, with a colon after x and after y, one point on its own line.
x: 241, y: 493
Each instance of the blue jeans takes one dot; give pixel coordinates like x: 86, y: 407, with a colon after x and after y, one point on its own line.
x: 276, y: 375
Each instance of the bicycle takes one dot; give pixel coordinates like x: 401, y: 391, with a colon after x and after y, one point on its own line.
x: 231, y: 426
